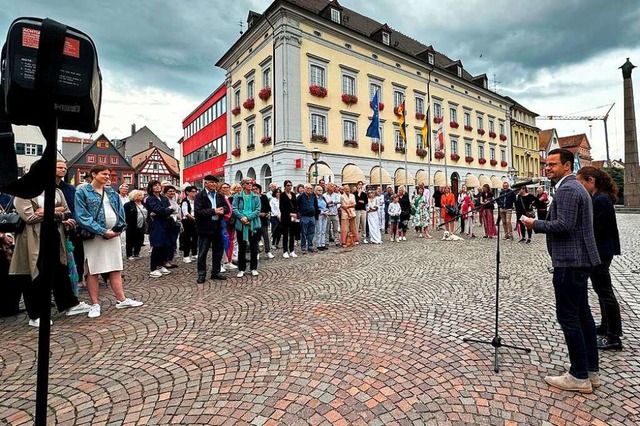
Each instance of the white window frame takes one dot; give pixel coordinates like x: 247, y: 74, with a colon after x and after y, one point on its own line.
x: 503, y: 155
x: 251, y: 89
x: 453, y: 114
x: 492, y: 153
x: 454, y: 146
x: 349, y: 129
x: 492, y: 127
x: 459, y: 69
x: 317, y: 75
x: 385, y: 38
x: 336, y: 16
x: 437, y: 109
x: 266, y: 125
x: 467, y: 118
x: 397, y: 139
x: 322, y: 121
x: 251, y: 135
x: 430, y: 58
x: 480, y: 122
x: 398, y: 97
x: 30, y: 149
x: 501, y: 128
x: 349, y: 84
x: 237, y: 143
x: 481, y: 151
x: 266, y: 77
x: 373, y: 86
x: 236, y: 98
x: 467, y: 149
x: 419, y: 141
x: 419, y: 105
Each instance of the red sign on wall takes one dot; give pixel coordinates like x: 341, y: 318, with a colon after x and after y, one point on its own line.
x: 298, y: 163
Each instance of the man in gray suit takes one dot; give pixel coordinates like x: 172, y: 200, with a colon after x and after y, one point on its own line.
x: 572, y: 247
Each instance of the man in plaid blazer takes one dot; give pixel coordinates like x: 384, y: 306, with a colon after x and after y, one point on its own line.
x: 572, y: 247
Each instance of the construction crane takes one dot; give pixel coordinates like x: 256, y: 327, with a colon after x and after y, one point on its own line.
x: 586, y: 118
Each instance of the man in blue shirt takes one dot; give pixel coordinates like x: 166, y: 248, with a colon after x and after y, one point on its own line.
x: 308, y: 211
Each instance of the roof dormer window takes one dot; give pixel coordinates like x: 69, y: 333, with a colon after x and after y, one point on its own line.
x: 385, y: 38
x: 459, y: 71
x: 336, y: 16
x: 430, y: 58
x: 484, y: 83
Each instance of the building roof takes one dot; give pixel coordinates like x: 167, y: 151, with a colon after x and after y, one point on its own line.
x: 140, y: 141
x: 544, y: 139
x: 573, y: 141
x: 139, y: 160
x: 598, y: 164
x: 368, y: 28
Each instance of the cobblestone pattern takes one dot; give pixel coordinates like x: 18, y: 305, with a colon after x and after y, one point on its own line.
x: 364, y: 336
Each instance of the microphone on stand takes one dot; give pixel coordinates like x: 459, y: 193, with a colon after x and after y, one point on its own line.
x: 519, y: 185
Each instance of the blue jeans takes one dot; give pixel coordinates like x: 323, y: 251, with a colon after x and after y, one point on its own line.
x: 574, y: 316
x: 321, y: 228
x: 307, y: 232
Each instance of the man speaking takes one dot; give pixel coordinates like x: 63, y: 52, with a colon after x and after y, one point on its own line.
x: 572, y: 247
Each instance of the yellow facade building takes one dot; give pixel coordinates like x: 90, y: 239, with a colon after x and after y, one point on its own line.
x: 525, y: 142
x: 302, y: 78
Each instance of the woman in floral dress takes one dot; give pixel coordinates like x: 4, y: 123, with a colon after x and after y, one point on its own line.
x: 420, y: 212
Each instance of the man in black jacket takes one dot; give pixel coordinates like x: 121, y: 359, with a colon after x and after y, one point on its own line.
x: 210, y: 208
x: 265, y: 211
x: 506, y: 201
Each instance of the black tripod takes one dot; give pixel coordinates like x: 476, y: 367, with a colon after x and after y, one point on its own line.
x: 496, y: 342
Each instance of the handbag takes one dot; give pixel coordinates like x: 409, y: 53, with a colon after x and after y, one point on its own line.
x: 84, y: 234
x: 527, y: 213
x: 10, y: 221
x: 451, y: 210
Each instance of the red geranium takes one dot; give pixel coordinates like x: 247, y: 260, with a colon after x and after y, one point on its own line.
x: 235, y: 110
x: 468, y: 128
x: 438, y: 155
x: 455, y: 157
x: 236, y: 152
x: 482, y: 160
x: 349, y: 99
x: 468, y: 159
x: 249, y: 104
x: 318, y: 91
x: 503, y: 163
x: 492, y: 135
x: 265, y: 93
x: 453, y: 124
x: 375, y: 147
x: 493, y: 162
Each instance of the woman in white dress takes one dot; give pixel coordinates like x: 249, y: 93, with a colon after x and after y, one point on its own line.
x: 99, y: 210
x: 380, y: 204
x: 373, y: 219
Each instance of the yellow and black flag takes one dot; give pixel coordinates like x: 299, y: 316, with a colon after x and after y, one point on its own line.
x: 401, y: 113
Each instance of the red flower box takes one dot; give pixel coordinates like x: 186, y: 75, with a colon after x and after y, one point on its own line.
x: 492, y: 135
x: 482, y: 160
x: 265, y: 93
x: 455, y: 157
x: 493, y: 162
x: 400, y: 149
x: 318, y: 91
x: 438, y: 155
x: 395, y: 111
x: 468, y: 128
x: 375, y: 147
x: 421, y: 152
x: 503, y: 137
x: 503, y: 163
x: 380, y: 106
x: 235, y: 110
x: 236, y: 152
x: 468, y: 159
x: 319, y: 138
x: 265, y: 140
x: 351, y: 143
x: 453, y: 124
x: 249, y: 104
x: 349, y: 99
x: 481, y: 132
x: 419, y: 116
x: 437, y: 120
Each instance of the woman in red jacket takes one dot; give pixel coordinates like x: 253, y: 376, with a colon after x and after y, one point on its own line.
x: 448, y: 199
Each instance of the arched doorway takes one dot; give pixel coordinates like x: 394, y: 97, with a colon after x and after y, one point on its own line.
x: 251, y: 173
x: 265, y: 173
x: 238, y: 176
x: 455, y: 183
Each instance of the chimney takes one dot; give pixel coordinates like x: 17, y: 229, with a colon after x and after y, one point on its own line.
x: 150, y: 144
x: 133, y: 129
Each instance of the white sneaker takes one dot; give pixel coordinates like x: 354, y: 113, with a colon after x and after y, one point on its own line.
x: 36, y: 322
x: 240, y: 274
x: 364, y: 240
x: 254, y: 272
x: 222, y: 269
x: 128, y: 303
x: 131, y: 258
x: 270, y: 255
x: 155, y: 274
x: 80, y: 308
x: 94, y: 311
x: 187, y: 259
x: 164, y: 271
x: 194, y: 257
x: 293, y: 254
x: 285, y: 255
x: 230, y: 266
x: 261, y: 243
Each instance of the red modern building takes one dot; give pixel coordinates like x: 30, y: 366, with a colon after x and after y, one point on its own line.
x: 204, y: 145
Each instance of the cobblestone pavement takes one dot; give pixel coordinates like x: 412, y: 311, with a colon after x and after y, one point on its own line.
x: 369, y: 335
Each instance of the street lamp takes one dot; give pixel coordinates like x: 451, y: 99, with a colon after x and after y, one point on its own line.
x: 315, y: 154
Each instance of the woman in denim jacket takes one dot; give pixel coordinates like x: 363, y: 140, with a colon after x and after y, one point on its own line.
x: 98, y: 209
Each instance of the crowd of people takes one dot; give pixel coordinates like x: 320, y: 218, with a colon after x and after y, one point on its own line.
x: 233, y: 220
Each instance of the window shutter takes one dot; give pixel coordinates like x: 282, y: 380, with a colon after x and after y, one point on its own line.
x: 20, y: 148
x: 40, y: 147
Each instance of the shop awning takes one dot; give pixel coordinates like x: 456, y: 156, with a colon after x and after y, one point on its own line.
x: 375, y: 176
x: 399, y: 178
x: 496, y: 182
x: 324, y: 172
x: 422, y: 178
x: 484, y: 180
x: 352, y: 174
x: 440, y: 179
x: 471, y: 181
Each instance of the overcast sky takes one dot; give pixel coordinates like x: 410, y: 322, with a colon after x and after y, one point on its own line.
x: 554, y: 57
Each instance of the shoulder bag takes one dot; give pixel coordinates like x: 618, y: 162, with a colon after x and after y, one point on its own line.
x: 527, y: 212
x: 10, y: 220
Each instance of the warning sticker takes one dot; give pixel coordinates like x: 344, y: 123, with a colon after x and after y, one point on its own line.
x: 31, y: 38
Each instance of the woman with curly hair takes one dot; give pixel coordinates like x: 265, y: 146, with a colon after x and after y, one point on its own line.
x: 604, y: 193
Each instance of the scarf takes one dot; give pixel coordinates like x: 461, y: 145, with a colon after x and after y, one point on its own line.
x: 246, y: 211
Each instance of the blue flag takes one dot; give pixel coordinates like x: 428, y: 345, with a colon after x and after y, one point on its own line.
x: 373, y: 131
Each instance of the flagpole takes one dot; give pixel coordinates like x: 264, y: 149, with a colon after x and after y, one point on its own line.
x: 404, y: 130
x: 444, y: 145
x: 380, y: 162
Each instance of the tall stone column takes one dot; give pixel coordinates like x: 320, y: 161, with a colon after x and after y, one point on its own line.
x: 631, y: 167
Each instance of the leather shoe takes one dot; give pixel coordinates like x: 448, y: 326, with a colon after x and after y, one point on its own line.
x: 218, y: 277
x: 609, y: 343
x: 200, y: 280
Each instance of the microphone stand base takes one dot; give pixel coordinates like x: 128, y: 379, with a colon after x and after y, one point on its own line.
x: 496, y: 342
